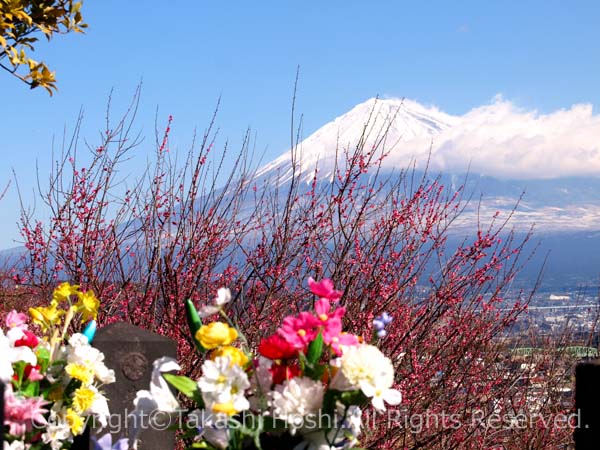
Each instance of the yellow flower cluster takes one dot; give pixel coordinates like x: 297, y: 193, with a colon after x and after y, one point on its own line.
x: 50, y: 316
x: 217, y: 336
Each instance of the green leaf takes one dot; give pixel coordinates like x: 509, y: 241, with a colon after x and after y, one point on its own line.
x: 31, y: 390
x: 185, y: 385
x: 43, y: 357
x: 253, y: 427
x: 315, y: 371
x: 315, y: 349
x: 194, y: 322
x: 201, y: 444
x: 350, y: 398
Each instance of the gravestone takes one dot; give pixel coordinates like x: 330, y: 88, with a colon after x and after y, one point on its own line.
x: 587, y: 405
x: 1, y: 413
x: 130, y: 352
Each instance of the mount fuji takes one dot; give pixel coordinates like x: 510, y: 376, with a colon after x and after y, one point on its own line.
x: 498, y: 151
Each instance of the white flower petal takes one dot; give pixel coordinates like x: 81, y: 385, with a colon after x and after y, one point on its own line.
x: 392, y: 397
x: 223, y: 296
x: 207, y: 311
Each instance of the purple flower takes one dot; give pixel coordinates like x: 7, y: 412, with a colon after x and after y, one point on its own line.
x: 380, y: 322
x: 105, y: 443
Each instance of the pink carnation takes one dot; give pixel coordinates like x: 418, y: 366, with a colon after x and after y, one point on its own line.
x: 21, y: 413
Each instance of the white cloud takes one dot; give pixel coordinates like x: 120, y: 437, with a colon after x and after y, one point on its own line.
x: 503, y: 140
x: 498, y: 139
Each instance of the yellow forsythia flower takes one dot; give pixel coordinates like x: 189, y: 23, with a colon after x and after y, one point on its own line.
x: 216, y: 334
x: 80, y: 372
x: 83, y: 398
x: 235, y: 354
x: 224, y: 408
x: 87, y: 305
x: 75, y: 422
x: 45, y: 316
x: 63, y: 291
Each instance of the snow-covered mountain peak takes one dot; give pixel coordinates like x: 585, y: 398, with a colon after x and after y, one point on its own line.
x: 498, y: 139
x: 393, y: 120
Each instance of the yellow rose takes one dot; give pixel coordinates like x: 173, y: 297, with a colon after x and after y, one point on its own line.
x: 216, y: 334
x: 235, y: 354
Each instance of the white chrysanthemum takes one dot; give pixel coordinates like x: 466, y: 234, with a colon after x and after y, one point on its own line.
x: 79, y: 351
x: 224, y: 383
x: 11, y: 354
x: 364, y: 367
x: 295, y: 400
x: 57, y: 431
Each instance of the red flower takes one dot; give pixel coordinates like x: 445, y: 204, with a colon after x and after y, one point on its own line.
x: 276, y: 347
x: 31, y: 373
x: 282, y: 372
x: 28, y: 340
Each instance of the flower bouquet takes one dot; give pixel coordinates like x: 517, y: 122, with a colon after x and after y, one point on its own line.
x: 302, y: 388
x: 52, y: 380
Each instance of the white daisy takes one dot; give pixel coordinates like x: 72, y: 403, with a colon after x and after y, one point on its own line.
x: 224, y: 383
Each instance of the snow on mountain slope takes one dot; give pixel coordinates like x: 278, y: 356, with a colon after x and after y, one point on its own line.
x: 554, y: 158
x: 498, y: 140
x: 396, y: 120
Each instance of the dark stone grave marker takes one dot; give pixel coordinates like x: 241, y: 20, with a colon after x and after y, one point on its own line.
x: 1, y: 413
x: 587, y: 405
x: 130, y: 352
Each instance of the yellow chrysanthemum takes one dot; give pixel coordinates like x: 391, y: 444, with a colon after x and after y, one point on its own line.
x: 75, y: 422
x: 224, y: 408
x: 87, y: 305
x: 235, y: 354
x: 63, y: 291
x: 216, y: 334
x: 83, y: 398
x: 80, y: 372
x: 45, y: 316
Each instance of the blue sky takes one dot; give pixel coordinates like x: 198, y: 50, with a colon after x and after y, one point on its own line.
x: 542, y: 55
